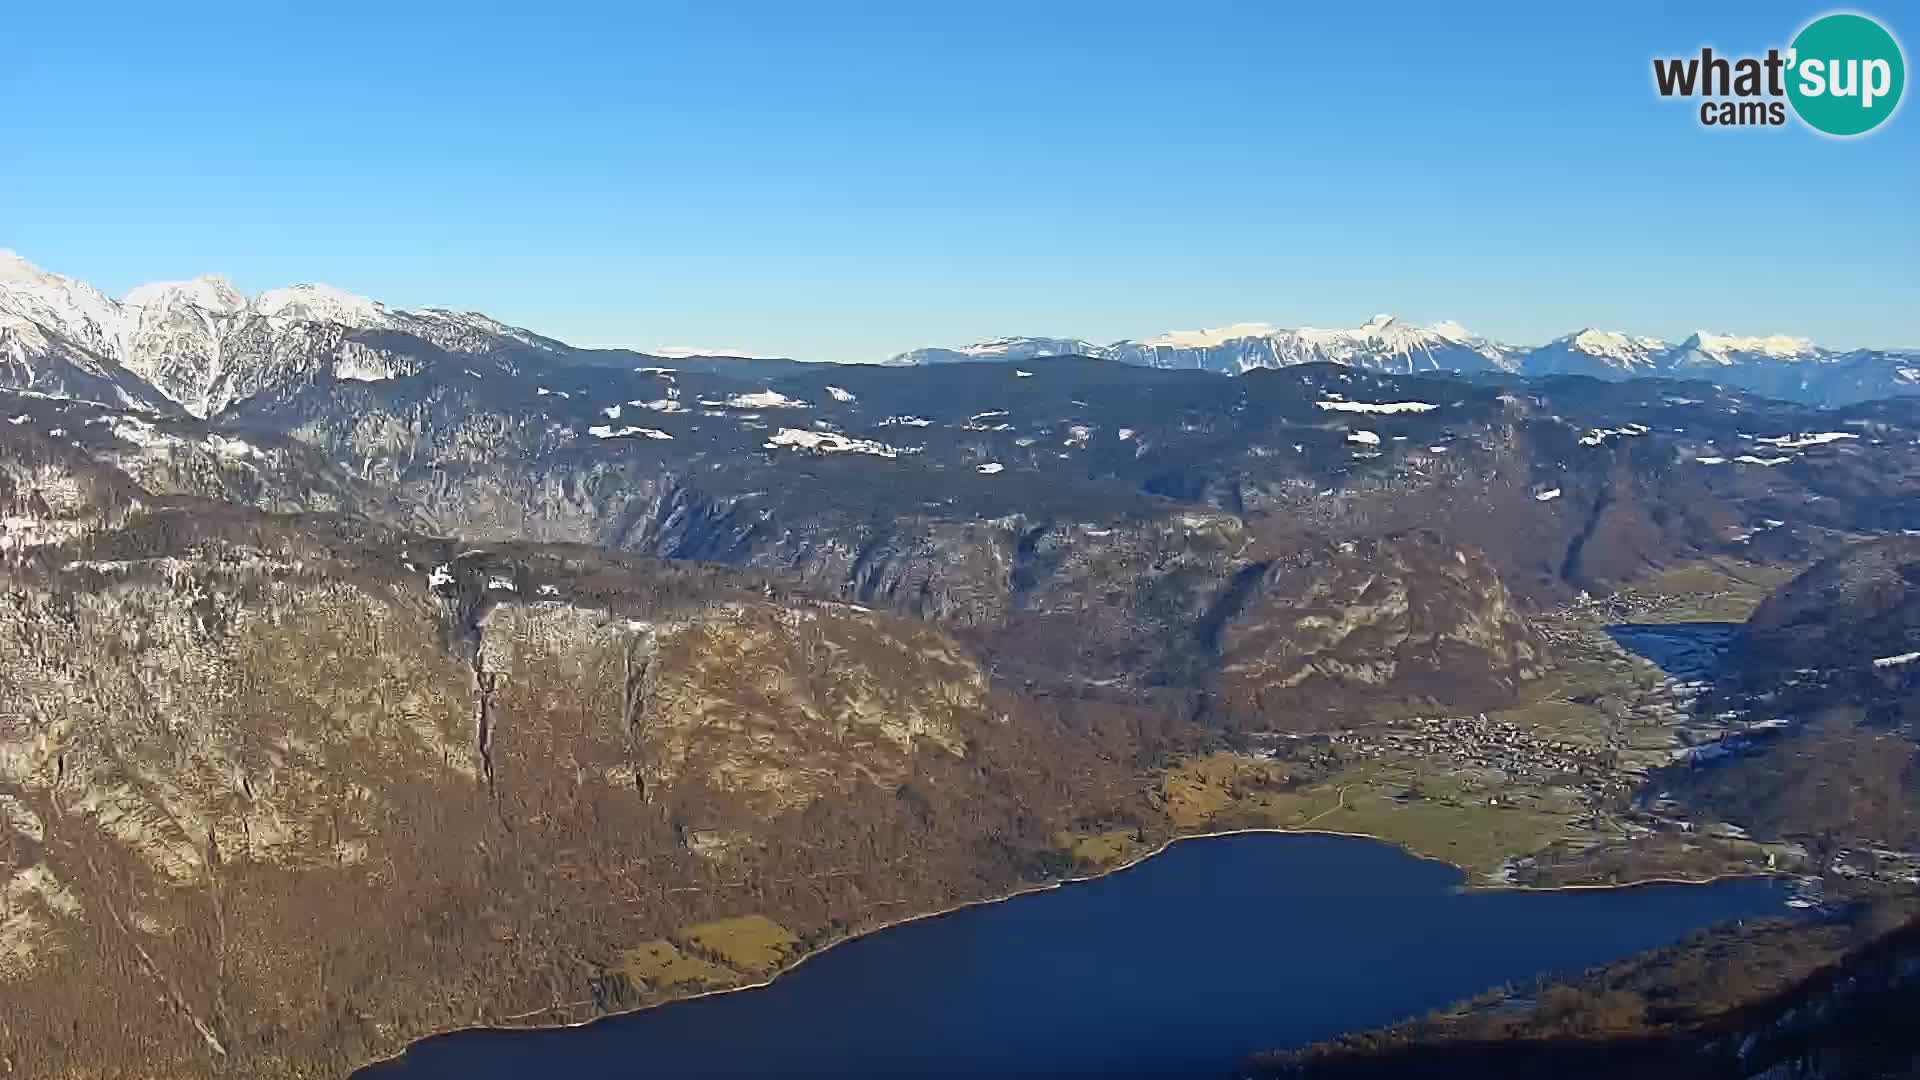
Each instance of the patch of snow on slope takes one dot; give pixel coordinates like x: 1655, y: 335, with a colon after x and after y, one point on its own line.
x: 129, y: 429
x: 764, y: 399
x: 1796, y: 442
x: 1896, y: 661
x: 840, y: 395
x: 236, y: 448
x: 608, y: 431
x: 1381, y: 407
x: 989, y: 468
x: 831, y: 442
x: 1601, y: 435
x: 1364, y: 438
x: 360, y: 364
x: 1547, y: 496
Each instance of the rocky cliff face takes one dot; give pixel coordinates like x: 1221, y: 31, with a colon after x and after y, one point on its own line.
x: 445, y: 766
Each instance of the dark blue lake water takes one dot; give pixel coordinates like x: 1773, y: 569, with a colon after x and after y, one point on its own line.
x: 1179, y: 967
x: 1688, y: 650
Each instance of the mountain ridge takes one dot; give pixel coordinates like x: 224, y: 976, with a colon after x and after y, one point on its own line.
x: 1780, y: 365
x: 200, y: 346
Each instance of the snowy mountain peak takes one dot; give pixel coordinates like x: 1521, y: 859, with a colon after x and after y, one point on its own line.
x: 1204, y: 339
x: 12, y: 266
x: 1613, y: 343
x: 1603, y: 354
x: 209, y: 292
x: 1777, y: 346
x: 71, y: 309
x: 318, y: 303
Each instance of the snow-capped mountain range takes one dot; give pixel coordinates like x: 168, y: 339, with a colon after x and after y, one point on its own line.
x: 200, y: 346
x: 1383, y: 344
x: 1780, y: 366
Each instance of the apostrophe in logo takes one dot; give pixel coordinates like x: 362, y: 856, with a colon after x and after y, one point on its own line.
x: 1842, y: 76
x: 1845, y: 74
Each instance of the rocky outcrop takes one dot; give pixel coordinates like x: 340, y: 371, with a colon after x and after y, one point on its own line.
x: 1404, y: 622
x: 241, y: 753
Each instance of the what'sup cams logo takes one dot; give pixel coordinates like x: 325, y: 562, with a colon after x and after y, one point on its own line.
x: 1841, y: 76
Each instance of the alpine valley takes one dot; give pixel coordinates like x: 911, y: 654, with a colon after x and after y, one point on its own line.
x: 368, y: 673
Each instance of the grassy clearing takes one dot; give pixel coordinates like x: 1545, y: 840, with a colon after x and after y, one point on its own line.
x: 1470, y: 834
x: 1448, y: 815
x: 750, y: 943
x: 660, y: 966
x: 1198, y: 791
x: 1716, y: 590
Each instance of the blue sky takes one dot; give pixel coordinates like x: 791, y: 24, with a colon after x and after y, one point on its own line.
x: 839, y: 181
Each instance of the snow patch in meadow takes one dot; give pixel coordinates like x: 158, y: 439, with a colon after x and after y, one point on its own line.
x: 764, y: 399
x: 1387, y: 407
x: 1598, y: 436
x: 1797, y: 442
x: 608, y: 431
x: 832, y: 442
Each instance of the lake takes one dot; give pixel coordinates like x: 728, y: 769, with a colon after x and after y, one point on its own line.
x: 1180, y: 966
x: 1687, y: 650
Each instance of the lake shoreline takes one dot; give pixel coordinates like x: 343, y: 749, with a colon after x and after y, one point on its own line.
x: 1129, y: 864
